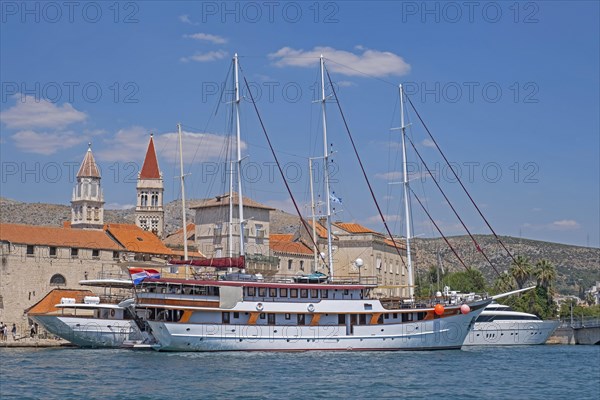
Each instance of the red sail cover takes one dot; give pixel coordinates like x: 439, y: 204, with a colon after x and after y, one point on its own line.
x: 223, y: 262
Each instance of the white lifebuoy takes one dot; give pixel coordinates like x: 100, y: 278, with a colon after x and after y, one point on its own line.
x: 259, y: 306
x: 112, y: 313
x: 311, y: 308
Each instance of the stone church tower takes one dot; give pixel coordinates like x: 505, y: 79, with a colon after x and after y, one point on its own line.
x: 87, y: 204
x: 149, y: 212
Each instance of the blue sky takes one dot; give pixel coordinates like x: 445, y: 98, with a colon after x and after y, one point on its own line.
x: 509, y: 90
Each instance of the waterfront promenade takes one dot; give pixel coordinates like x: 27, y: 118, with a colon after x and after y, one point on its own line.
x: 34, y: 342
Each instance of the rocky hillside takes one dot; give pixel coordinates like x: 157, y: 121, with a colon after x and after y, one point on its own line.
x: 575, y: 265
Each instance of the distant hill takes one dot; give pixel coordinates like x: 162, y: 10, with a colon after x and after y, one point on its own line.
x: 573, y: 263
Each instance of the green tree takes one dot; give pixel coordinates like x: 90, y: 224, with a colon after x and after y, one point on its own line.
x: 545, y: 274
x: 504, y: 283
x: 466, y: 281
x: 537, y: 301
x: 521, y: 271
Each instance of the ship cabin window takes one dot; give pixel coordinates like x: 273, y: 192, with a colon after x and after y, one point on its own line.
x: 251, y: 291
x: 288, y: 316
x: 341, y: 319
x: 386, y: 316
x: 324, y: 293
x: 271, y: 319
x: 395, y: 315
x: 283, y: 292
x: 175, y: 289
x: 225, y: 317
x: 262, y: 315
x: 262, y: 292
x: 362, y: 319
x: 300, y: 319
x: 272, y: 292
x: 293, y: 293
x: 236, y: 315
x: 314, y: 293
x: 346, y: 291
x: 304, y: 293
x: 407, y: 317
x: 200, y: 290
x: 29, y: 250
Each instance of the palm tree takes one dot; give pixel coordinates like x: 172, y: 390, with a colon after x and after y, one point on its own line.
x: 545, y: 273
x: 504, y: 283
x: 521, y: 270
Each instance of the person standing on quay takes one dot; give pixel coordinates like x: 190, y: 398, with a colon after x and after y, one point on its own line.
x: 5, y: 332
x: 14, y: 332
x: 32, y: 331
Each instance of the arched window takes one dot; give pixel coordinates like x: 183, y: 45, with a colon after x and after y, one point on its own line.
x: 57, y: 280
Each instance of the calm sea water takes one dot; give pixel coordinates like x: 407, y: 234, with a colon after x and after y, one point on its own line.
x: 529, y: 372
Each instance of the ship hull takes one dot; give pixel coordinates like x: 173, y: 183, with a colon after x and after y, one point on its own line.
x: 91, y: 332
x: 510, y: 333
x: 437, y: 334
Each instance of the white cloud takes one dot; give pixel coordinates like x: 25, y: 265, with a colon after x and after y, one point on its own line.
x: 428, y: 143
x: 399, y: 176
x: 30, y: 113
x: 389, y: 176
x: 118, y: 206
x: 564, y: 225
x: 205, y: 57
x: 207, y: 37
x: 376, y: 219
x: 46, y: 143
x: 345, y: 83
x: 371, y: 62
x: 560, y: 225
x: 130, y: 144
x: 186, y: 19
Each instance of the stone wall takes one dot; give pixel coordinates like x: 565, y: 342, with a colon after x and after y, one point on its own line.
x: 26, y: 278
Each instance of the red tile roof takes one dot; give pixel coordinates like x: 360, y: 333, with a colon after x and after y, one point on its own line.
x: 150, y: 168
x: 352, y: 227
x: 283, y: 243
x: 400, y: 244
x: 59, y: 237
x: 321, y: 231
x: 88, y: 168
x: 137, y: 240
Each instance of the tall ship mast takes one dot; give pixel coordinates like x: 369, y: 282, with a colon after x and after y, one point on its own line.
x: 406, y: 187
x: 326, y: 170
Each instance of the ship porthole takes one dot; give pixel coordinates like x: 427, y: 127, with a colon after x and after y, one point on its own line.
x: 311, y: 308
x: 259, y: 306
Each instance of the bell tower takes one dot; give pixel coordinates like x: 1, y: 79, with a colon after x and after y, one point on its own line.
x: 87, y: 202
x: 149, y: 212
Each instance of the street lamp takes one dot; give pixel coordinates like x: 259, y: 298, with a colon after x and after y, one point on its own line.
x: 359, y: 263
